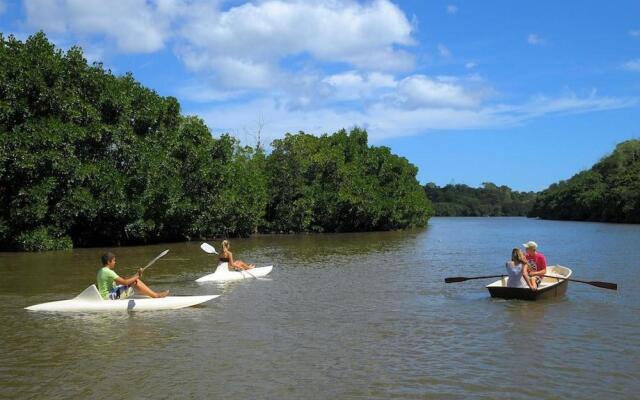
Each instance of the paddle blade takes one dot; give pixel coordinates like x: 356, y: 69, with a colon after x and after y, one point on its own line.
x: 207, y: 248
x: 604, y: 285
x: 455, y: 279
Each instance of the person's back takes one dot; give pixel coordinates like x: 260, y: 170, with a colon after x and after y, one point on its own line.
x: 514, y: 271
x: 517, y: 271
x: 225, y: 256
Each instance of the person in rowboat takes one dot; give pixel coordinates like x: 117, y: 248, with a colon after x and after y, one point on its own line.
x: 518, y: 271
x: 227, y: 256
x: 537, y: 262
x: 112, y: 286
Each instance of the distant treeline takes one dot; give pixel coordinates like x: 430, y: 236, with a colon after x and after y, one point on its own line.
x: 88, y: 158
x: 486, y: 201
x: 608, y: 192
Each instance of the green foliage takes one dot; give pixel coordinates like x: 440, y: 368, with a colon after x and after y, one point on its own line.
x: 88, y: 158
x: 41, y: 239
x: 102, y: 160
x: 488, y: 200
x: 608, y: 192
x: 338, y: 183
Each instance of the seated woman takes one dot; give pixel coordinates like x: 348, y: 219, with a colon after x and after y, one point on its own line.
x: 227, y: 256
x: 518, y: 271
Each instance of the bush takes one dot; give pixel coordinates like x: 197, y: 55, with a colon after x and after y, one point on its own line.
x: 41, y: 239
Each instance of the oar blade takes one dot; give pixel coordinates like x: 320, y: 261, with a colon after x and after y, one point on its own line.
x: 604, y: 285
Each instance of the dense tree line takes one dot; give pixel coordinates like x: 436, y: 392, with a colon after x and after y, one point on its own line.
x: 338, y: 183
x: 89, y: 158
x: 608, y: 192
x: 489, y: 200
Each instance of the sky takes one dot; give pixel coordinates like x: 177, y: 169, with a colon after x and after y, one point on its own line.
x: 522, y: 94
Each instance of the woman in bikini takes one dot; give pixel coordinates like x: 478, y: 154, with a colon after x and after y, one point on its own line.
x: 227, y: 256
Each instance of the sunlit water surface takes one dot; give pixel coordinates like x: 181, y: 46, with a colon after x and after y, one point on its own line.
x: 341, y: 316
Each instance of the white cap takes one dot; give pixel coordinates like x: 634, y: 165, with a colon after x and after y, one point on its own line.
x: 530, y: 243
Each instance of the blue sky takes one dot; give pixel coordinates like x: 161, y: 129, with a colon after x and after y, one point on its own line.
x: 521, y: 93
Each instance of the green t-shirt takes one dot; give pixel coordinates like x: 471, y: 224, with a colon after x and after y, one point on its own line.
x: 105, y: 279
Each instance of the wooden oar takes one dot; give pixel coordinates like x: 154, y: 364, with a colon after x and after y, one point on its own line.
x: 463, y: 278
x: 604, y: 285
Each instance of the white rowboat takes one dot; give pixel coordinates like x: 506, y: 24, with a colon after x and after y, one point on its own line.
x: 554, y: 284
x: 90, y: 300
x: 223, y: 274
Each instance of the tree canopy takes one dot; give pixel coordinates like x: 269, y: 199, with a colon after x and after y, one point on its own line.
x: 487, y: 201
x: 608, y: 192
x: 89, y: 158
x: 337, y: 183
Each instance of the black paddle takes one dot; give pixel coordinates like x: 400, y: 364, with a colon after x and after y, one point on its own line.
x: 462, y: 278
x: 604, y: 285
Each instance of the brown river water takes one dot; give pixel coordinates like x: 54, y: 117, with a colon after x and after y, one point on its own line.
x: 342, y: 316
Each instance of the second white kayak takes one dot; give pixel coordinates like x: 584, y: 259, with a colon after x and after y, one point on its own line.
x: 90, y: 300
x: 223, y: 274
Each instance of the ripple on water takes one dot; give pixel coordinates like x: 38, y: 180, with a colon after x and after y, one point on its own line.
x: 342, y: 316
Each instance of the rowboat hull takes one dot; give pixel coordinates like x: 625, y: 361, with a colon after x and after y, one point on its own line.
x: 555, y: 286
x: 90, y: 301
x: 222, y: 274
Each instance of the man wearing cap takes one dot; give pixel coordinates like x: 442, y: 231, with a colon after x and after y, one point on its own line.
x: 537, y: 262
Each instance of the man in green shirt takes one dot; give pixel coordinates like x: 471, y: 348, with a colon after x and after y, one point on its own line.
x: 111, y: 286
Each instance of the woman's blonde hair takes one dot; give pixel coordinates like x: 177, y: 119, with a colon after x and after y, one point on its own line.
x: 517, y: 256
x: 225, y: 245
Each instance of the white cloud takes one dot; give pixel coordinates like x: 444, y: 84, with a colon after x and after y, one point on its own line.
x: 200, y: 92
x: 452, y: 9
x: 94, y: 54
x: 635, y: 33
x: 387, y: 120
x: 420, y: 91
x: 134, y: 25
x: 352, y: 85
x: 632, y: 65
x: 535, y: 40
x: 567, y: 104
x: 248, y: 46
x: 444, y: 51
x: 274, y: 52
x: 260, y: 36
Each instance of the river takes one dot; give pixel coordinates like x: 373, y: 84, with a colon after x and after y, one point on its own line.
x: 342, y: 316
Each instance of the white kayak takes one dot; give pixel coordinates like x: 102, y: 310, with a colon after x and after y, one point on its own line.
x: 223, y: 274
x: 90, y: 300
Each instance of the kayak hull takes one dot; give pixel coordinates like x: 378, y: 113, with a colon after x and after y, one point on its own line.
x: 549, y: 288
x: 222, y: 274
x: 90, y: 301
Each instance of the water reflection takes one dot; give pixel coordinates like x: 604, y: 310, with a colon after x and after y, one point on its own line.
x: 341, y: 316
